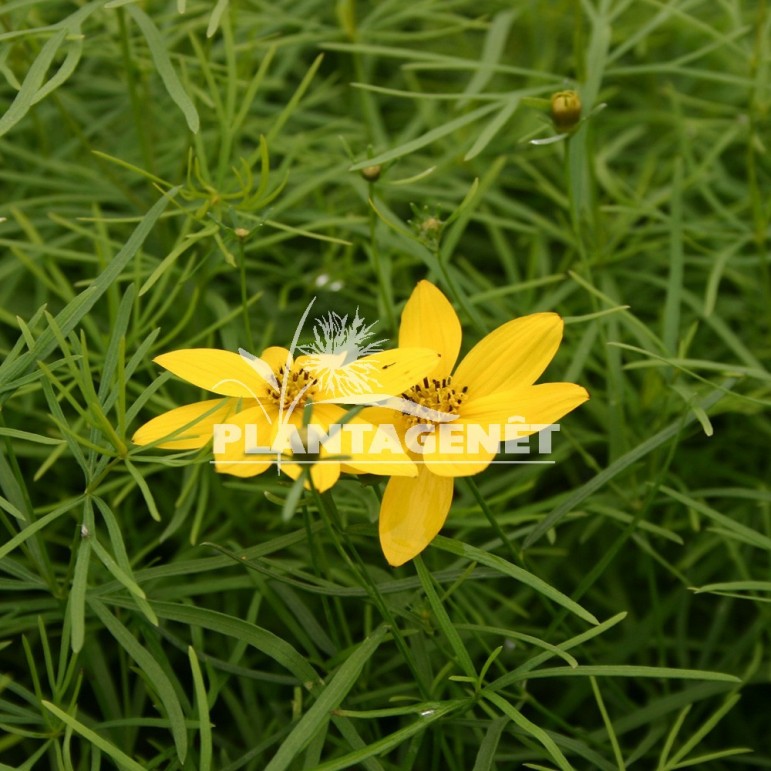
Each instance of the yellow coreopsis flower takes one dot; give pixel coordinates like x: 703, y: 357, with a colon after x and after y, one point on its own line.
x: 264, y: 396
x: 491, y: 386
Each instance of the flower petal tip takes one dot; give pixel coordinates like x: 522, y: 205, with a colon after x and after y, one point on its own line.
x: 396, y: 557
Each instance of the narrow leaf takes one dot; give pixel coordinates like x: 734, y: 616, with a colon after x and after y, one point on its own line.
x: 330, y: 698
x: 164, y: 66
x: 123, y: 760
x: 507, y: 568
x: 154, y: 673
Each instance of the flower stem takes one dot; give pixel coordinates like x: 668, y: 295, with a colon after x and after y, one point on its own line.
x: 329, y: 513
x: 472, y: 485
x: 244, y: 294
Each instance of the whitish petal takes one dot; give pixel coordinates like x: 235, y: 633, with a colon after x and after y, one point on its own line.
x: 381, y: 375
x: 429, y: 321
x: 246, y: 430
x: 412, y: 513
x: 512, y: 356
x: 202, y: 415
x: 221, y: 372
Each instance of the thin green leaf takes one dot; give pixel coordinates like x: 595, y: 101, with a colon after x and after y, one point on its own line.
x: 73, y: 313
x: 202, y: 706
x: 387, y: 743
x: 329, y: 699
x: 26, y: 436
x: 507, y: 568
x: 492, y: 128
x: 156, y: 677
x: 144, y: 488
x: 124, y: 761
x: 163, y: 65
x: 624, y: 462
x: 32, y: 83
x: 216, y: 16
x: 729, y: 525
x: 704, y: 729
x: 35, y: 526
x: 77, y: 600
x: 267, y: 642
x: 446, y: 625
x: 617, y: 670
x: 485, y: 759
x: 530, y: 728
x: 492, y: 49
x: 428, y: 138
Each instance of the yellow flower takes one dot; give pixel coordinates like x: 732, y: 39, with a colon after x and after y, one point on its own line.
x: 490, y: 387
x: 266, y: 396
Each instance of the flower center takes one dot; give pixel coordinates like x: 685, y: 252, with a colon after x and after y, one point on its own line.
x: 434, y: 396
x: 297, y: 386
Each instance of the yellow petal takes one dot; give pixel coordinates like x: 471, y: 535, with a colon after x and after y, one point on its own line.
x: 380, y: 455
x: 221, y: 372
x: 324, y: 473
x: 448, y: 456
x: 380, y: 452
x: 324, y: 415
x: 386, y: 415
x: 202, y: 415
x: 539, y: 404
x: 412, y: 513
x: 276, y: 357
x: 512, y: 356
x: 429, y: 321
x: 246, y: 430
x: 363, y: 447
x: 466, y: 446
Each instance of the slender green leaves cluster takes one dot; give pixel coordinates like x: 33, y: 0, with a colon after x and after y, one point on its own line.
x: 192, y: 174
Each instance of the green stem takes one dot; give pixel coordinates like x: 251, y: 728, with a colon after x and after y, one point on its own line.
x: 459, y: 298
x: 384, y: 287
x: 244, y: 295
x: 472, y: 485
x: 328, y: 510
x: 137, y: 108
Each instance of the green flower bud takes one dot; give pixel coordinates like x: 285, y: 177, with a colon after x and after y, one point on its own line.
x: 426, y: 225
x: 371, y: 173
x: 565, y: 110
x: 431, y: 227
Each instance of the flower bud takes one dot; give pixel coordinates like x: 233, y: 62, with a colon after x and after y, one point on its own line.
x: 426, y: 225
x: 371, y: 173
x: 431, y: 227
x: 565, y: 110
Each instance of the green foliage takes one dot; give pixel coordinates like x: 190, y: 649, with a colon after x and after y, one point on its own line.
x: 191, y: 175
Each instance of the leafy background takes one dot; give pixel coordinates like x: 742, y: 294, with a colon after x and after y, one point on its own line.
x: 188, y: 174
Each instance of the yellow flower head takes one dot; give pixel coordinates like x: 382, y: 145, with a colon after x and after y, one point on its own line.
x: 266, y: 395
x: 492, y: 385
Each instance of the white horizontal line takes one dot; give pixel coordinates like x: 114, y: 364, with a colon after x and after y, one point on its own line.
x: 391, y: 462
